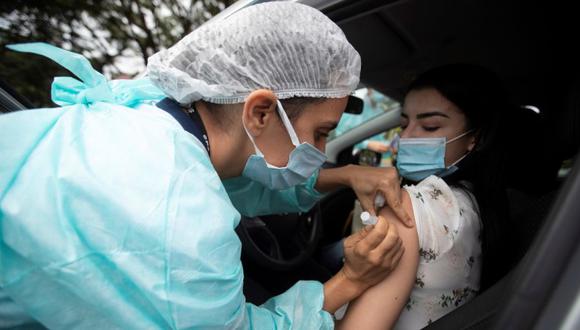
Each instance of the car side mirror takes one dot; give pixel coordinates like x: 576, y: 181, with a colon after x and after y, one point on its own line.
x: 367, y: 157
x: 354, y: 106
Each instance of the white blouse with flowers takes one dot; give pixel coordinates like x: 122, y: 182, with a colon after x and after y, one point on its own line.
x: 449, y: 228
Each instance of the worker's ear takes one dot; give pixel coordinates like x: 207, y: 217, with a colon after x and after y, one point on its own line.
x: 259, y: 111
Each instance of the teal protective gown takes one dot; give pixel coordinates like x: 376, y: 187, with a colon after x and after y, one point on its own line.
x: 113, y: 217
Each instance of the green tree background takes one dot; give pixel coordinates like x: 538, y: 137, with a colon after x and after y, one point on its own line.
x: 107, y: 32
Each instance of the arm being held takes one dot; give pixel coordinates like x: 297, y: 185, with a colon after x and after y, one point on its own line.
x: 379, y: 306
x: 370, y: 255
x: 368, y: 183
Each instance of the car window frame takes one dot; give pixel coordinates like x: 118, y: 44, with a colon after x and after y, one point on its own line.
x: 381, y: 123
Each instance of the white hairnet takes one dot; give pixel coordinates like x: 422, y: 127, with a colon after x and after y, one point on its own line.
x: 290, y: 48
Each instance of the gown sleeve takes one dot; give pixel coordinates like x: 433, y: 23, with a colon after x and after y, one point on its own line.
x: 114, y: 218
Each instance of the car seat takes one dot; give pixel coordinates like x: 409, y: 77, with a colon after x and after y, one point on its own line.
x: 530, y: 202
x: 532, y: 195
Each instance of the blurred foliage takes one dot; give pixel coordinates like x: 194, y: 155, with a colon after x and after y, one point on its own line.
x: 101, y: 30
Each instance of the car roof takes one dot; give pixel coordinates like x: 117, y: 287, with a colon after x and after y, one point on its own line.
x: 527, y: 44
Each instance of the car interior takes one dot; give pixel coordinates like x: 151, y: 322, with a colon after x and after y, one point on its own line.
x: 529, y: 46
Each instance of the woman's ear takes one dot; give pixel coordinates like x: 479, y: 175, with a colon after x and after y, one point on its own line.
x: 473, y: 141
x: 259, y: 111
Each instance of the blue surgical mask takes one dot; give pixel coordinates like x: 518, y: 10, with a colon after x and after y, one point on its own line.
x: 303, y: 161
x: 418, y: 158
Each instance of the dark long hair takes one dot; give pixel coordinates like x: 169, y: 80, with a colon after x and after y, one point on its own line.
x: 479, y: 94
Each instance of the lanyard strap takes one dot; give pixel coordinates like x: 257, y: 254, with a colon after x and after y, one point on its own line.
x: 191, y: 123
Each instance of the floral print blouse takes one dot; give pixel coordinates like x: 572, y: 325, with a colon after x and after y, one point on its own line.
x: 449, y: 227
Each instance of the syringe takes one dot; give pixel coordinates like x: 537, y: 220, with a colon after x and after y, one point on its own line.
x: 368, y: 219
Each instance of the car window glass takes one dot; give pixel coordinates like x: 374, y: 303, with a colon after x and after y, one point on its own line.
x: 381, y: 144
x: 375, y: 104
x: 28, y: 77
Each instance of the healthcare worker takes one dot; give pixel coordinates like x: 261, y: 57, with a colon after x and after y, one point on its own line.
x: 118, y: 209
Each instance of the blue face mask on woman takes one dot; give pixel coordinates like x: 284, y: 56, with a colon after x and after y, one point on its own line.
x: 417, y: 158
x: 303, y: 161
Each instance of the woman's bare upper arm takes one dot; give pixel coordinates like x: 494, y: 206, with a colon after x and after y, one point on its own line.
x: 379, y: 307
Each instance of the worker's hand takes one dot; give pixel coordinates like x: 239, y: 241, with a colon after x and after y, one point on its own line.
x: 367, y: 182
x: 371, y: 254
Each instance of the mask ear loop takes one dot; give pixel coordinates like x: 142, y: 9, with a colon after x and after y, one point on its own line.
x: 457, y: 161
x: 459, y: 136
x: 456, y: 138
x: 287, y: 124
x: 256, y: 149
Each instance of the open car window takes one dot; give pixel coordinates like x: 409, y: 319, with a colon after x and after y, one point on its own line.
x: 375, y: 104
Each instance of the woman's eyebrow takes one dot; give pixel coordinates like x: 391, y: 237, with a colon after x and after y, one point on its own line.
x: 431, y: 114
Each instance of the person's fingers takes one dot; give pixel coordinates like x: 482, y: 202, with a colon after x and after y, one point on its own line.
x: 391, y: 243
x: 384, y: 255
x: 394, y: 200
x: 393, y: 196
x: 389, y: 181
x: 374, y: 237
x: 350, y: 241
x: 387, y: 261
x: 367, y: 204
x: 353, y: 239
x: 394, y: 261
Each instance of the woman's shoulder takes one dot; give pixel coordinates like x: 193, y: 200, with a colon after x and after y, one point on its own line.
x: 439, y: 193
x: 443, y: 215
x: 432, y: 193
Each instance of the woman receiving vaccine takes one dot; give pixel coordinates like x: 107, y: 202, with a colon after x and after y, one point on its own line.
x: 450, y: 159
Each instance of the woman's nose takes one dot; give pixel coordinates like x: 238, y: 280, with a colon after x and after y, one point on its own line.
x: 406, y: 133
x: 320, y: 145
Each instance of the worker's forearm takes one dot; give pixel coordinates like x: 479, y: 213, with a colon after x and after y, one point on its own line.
x: 339, y: 290
x: 332, y: 178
